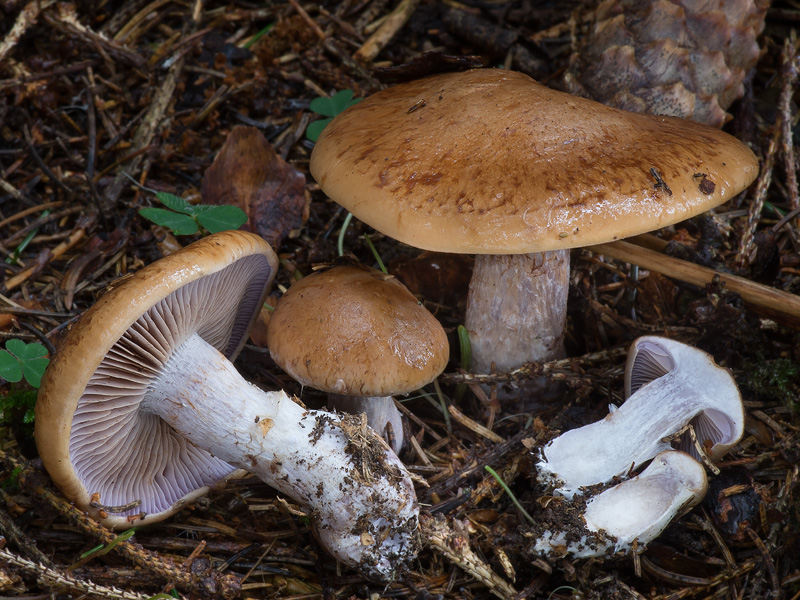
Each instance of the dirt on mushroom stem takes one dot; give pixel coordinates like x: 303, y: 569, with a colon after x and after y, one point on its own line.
x: 554, y: 513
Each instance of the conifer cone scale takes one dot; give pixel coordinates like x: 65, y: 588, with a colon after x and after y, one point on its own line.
x: 669, y: 57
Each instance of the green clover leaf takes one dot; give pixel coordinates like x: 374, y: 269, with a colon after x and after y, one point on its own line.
x: 329, y: 107
x: 183, y: 218
x: 20, y: 359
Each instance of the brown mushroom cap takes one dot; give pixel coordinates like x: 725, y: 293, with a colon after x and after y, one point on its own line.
x: 91, y: 435
x: 354, y: 330
x: 490, y: 162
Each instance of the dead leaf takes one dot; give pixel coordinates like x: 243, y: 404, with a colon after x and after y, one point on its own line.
x: 249, y: 174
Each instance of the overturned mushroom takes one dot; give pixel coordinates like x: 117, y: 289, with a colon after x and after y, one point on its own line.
x: 361, y: 336
x: 675, y: 391
x: 141, y: 411
x: 635, y: 511
x: 492, y: 163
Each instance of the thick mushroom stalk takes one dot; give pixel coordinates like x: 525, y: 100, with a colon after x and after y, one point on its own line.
x: 517, y: 308
x: 358, y: 494
x: 634, y: 511
x: 673, y: 386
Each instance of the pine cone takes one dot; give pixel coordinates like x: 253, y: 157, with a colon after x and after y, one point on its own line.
x: 669, y: 57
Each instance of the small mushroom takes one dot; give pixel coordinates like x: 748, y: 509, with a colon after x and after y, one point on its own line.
x: 635, y: 511
x: 361, y: 336
x: 678, y: 395
x: 141, y: 411
x: 492, y: 163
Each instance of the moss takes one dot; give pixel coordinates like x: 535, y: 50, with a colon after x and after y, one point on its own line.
x: 776, y: 379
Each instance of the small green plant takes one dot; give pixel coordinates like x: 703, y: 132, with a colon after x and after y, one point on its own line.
x: 329, y: 107
x: 377, y: 256
x: 466, y: 359
x: 257, y: 37
x: 11, y: 481
x: 508, y: 491
x: 14, y: 257
x: 105, y: 548
x: 775, y: 379
x: 20, y: 360
x: 183, y: 218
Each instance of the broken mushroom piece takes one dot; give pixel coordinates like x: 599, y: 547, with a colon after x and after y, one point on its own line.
x: 141, y: 411
x: 677, y: 392
x: 492, y: 163
x: 635, y: 511
x: 361, y: 336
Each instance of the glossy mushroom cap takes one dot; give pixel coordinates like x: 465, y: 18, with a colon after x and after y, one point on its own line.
x: 355, y: 331
x: 96, y: 440
x: 490, y: 162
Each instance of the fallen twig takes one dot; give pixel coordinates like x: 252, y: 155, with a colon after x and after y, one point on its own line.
x: 558, y: 370
x: 214, y: 584
x: 26, y: 18
x: 384, y: 34
x: 455, y: 546
x: 782, y: 307
x: 84, y: 223
x: 54, y: 578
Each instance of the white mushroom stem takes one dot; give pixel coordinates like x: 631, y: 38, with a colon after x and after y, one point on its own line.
x: 637, y: 510
x: 381, y: 414
x: 688, y: 389
x: 516, y: 309
x: 359, y: 496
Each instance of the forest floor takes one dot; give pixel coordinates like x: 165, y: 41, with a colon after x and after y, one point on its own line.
x: 105, y: 104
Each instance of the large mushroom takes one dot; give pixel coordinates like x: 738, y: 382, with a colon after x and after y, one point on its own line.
x: 492, y: 163
x: 362, y: 337
x: 141, y: 411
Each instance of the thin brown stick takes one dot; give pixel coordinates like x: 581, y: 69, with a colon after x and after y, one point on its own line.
x: 768, y: 302
x: 84, y: 223
x: 66, y: 18
x: 789, y: 74
x: 307, y: 18
x: 474, y: 426
x: 28, y: 211
x: 217, y: 585
x: 388, y: 29
x: 455, y: 546
x: 26, y: 18
x: 769, y: 564
x: 146, y: 132
x: 56, y: 579
x: 559, y: 370
x: 746, y: 243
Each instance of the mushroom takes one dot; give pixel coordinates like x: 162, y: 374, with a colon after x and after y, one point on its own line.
x: 635, y: 511
x: 361, y: 336
x: 141, y: 411
x: 676, y: 392
x: 492, y: 163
